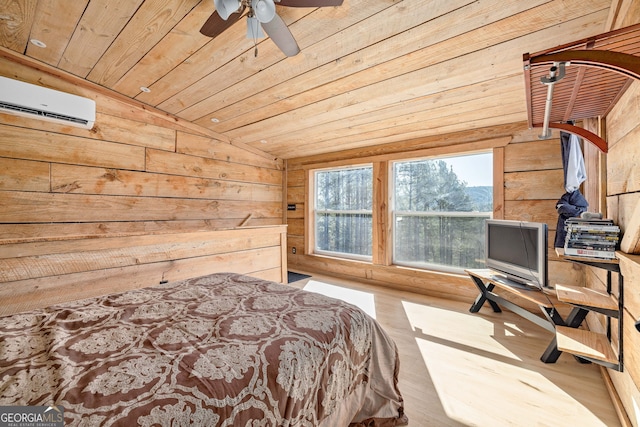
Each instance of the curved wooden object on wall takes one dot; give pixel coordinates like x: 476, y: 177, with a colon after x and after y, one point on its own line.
x: 599, y: 70
x: 623, y: 63
x: 582, y: 133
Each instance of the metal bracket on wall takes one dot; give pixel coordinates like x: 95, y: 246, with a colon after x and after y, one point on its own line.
x: 556, y: 73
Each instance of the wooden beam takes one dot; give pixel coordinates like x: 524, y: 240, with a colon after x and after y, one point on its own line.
x: 452, y: 148
x: 631, y: 239
x: 526, y: 59
x: 381, y: 215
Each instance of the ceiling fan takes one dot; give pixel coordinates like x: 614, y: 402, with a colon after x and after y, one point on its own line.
x: 261, y: 16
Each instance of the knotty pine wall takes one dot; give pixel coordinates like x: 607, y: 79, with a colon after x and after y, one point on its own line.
x: 138, y: 174
x: 623, y: 201
x: 528, y: 182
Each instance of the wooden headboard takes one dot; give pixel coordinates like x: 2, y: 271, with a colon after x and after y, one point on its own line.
x: 37, y: 274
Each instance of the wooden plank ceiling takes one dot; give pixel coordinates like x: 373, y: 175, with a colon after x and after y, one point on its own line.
x: 369, y: 72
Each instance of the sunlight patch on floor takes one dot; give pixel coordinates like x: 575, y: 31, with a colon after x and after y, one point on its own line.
x: 476, y: 371
x: 364, y: 300
x: 435, y: 323
x: 480, y: 400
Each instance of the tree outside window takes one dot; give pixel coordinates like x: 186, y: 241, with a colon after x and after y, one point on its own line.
x: 438, y: 218
x: 343, y: 212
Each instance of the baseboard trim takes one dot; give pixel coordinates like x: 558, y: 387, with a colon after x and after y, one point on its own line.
x: 615, y: 398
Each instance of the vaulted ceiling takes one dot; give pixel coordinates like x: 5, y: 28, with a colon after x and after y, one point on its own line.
x: 369, y: 72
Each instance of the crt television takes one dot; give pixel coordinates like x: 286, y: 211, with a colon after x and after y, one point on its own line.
x: 517, y: 250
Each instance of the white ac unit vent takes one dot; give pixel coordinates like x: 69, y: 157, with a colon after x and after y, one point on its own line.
x: 37, y: 102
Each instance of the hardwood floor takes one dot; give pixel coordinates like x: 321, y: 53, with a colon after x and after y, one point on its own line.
x: 464, y: 369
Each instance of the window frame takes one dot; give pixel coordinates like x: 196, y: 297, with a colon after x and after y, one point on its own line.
x: 312, y: 246
x: 393, y: 213
x: 382, y: 175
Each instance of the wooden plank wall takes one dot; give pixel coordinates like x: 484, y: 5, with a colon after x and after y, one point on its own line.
x: 138, y: 172
x: 623, y: 195
x: 134, y: 172
x: 532, y: 181
x: 41, y: 273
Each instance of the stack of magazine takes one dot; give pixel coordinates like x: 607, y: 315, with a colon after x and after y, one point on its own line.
x: 591, y: 238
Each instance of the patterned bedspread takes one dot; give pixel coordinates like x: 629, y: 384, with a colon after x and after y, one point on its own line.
x: 219, y: 350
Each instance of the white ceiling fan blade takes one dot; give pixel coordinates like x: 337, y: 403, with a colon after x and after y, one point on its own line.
x: 215, y: 25
x: 281, y: 36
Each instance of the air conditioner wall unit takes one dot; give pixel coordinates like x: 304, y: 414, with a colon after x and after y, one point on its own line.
x: 37, y: 102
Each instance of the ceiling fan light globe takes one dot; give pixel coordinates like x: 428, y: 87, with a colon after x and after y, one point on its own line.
x: 226, y: 7
x: 254, y: 29
x: 264, y: 10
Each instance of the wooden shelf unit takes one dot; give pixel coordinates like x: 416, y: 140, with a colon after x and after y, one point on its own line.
x: 590, y: 298
x: 591, y: 346
x: 488, y: 283
x: 587, y: 344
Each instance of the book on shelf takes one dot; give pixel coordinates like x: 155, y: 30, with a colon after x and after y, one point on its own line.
x: 596, y: 238
x: 591, y: 238
x: 595, y: 229
x: 578, y: 220
x: 590, y: 219
x: 605, y: 240
x: 589, y: 253
x: 589, y: 231
x: 600, y: 246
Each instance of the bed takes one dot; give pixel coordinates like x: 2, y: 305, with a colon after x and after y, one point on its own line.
x: 219, y: 350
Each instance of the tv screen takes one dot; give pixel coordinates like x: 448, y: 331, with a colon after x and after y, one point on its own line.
x: 517, y: 250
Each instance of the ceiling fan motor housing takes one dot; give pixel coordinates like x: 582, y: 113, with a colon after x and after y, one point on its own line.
x: 262, y: 16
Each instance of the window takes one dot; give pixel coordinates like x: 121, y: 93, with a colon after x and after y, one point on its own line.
x: 343, y: 212
x: 439, y: 207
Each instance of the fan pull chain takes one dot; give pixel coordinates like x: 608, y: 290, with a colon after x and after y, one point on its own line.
x: 254, y: 37
x: 255, y: 46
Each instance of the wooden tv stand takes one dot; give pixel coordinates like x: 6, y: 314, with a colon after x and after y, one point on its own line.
x: 489, y: 282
